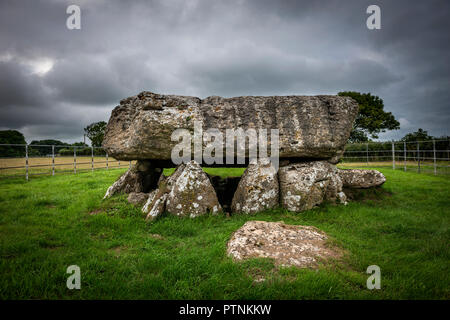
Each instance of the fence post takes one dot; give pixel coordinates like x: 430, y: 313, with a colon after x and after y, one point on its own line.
x: 404, y: 155
x: 418, y: 157
x: 367, y: 153
x: 448, y: 151
x: 119, y: 163
x: 107, y: 165
x: 26, y: 161
x: 75, y: 160
x: 92, y: 158
x: 434, y: 156
x: 393, y: 155
x: 53, y: 160
x: 129, y: 167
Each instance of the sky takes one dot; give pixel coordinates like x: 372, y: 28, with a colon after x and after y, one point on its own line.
x: 55, y: 81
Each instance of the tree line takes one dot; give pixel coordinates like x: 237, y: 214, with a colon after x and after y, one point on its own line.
x: 95, y: 132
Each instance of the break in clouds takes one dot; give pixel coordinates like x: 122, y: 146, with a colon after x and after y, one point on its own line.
x: 55, y: 81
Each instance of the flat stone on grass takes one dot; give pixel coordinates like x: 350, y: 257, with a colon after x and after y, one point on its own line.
x: 287, y: 245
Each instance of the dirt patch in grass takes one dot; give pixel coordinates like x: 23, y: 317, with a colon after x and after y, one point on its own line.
x: 96, y: 211
x: 118, y: 250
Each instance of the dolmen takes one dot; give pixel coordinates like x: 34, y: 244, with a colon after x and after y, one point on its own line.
x: 289, y: 145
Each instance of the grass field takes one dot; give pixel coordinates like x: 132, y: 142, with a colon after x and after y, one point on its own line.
x: 43, y: 165
x: 49, y: 223
x: 442, y: 167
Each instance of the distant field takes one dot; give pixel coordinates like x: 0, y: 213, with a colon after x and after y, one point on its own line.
x: 443, y: 167
x: 43, y: 165
x: 49, y: 223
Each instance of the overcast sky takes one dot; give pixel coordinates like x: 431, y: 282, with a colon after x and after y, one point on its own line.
x: 55, y: 81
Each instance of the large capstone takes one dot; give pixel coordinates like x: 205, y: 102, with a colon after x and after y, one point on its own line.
x: 258, y: 188
x: 308, y: 184
x: 311, y: 127
x: 356, y: 178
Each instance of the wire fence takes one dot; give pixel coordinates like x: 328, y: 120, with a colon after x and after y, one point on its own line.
x: 19, y: 160
x: 431, y: 156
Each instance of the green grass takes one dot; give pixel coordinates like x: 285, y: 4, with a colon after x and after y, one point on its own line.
x: 47, y: 224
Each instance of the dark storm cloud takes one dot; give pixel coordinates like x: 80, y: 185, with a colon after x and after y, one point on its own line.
x: 55, y: 81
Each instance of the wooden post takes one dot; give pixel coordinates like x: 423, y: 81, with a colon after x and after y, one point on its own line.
x: 393, y: 155
x: 53, y: 160
x: 434, y: 156
x: 75, y: 160
x: 404, y: 155
x: 107, y: 164
x: 26, y: 162
x: 92, y: 159
x: 418, y: 157
x: 367, y: 153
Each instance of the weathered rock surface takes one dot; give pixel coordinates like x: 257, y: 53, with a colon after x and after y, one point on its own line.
x: 141, y: 177
x: 313, y: 127
x: 187, y: 192
x: 155, y: 205
x: 192, y: 193
x: 137, y: 198
x: 258, y: 188
x: 288, y: 245
x: 306, y: 185
x: 356, y: 178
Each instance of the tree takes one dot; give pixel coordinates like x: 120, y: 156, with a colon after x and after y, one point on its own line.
x: 12, y: 137
x: 419, y: 135
x: 371, y: 118
x: 79, y: 144
x: 95, y: 132
x: 42, y: 151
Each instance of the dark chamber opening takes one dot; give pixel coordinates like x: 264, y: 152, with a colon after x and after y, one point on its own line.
x: 225, y: 189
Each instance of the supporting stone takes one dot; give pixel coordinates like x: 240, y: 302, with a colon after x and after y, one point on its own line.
x: 356, y: 178
x: 155, y: 205
x: 258, y: 188
x: 137, y: 198
x: 141, y: 177
x: 187, y: 192
x: 192, y: 193
x: 306, y: 185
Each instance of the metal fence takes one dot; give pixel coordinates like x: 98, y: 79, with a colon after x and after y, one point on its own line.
x: 18, y: 160
x: 432, y: 156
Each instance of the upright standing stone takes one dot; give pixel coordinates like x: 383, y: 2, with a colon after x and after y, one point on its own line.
x: 141, y: 177
x: 306, y: 185
x: 192, y: 193
x: 258, y: 188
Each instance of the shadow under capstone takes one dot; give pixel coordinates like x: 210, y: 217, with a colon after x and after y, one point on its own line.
x: 225, y: 189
